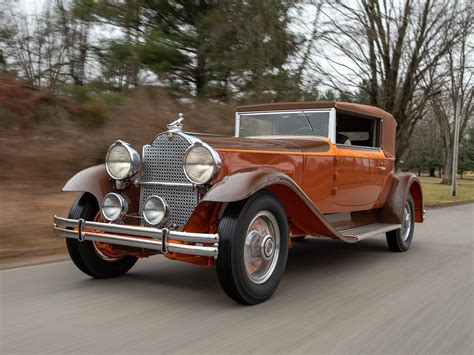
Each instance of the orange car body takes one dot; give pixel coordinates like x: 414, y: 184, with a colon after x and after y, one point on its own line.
x: 326, y: 188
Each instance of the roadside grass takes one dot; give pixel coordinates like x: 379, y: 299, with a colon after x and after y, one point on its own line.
x: 436, y: 194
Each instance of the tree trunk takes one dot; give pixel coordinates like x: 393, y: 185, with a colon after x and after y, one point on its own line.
x: 432, y: 172
x: 200, y: 84
x: 200, y: 74
x: 448, y: 168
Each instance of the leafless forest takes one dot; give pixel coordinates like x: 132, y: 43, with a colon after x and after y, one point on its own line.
x: 73, y: 71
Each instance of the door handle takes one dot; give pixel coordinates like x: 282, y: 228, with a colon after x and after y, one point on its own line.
x: 382, y: 167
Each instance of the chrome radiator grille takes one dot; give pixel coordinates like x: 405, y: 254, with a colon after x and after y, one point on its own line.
x: 163, y: 162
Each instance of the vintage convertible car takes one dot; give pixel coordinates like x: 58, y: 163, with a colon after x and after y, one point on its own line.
x: 238, y: 203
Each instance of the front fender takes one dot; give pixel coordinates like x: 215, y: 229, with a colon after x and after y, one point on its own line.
x: 94, y: 180
x: 302, y: 213
x: 244, y: 183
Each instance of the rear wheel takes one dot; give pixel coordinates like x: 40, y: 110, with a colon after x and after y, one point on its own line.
x: 399, y: 240
x: 253, y: 248
x: 90, y: 257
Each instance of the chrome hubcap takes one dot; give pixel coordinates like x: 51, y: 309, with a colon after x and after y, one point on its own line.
x: 262, y: 245
x: 101, y: 255
x: 406, y: 226
x: 267, y: 247
x: 99, y: 252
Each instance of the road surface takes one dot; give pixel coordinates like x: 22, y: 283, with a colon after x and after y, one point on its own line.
x: 334, y: 298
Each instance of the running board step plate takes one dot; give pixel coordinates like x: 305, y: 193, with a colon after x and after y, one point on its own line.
x: 362, y: 232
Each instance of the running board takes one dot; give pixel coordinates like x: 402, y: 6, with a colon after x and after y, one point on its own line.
x: 369, y: 230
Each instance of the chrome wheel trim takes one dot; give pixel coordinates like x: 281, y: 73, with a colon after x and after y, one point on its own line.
x: 406, y: 225
x: 101, y: 255
x: 262, y: 247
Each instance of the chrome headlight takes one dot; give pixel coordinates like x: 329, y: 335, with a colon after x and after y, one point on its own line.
x: 112, y: 206
x: 155, y: 210
x: 201, y: 163
x: 122, y: 161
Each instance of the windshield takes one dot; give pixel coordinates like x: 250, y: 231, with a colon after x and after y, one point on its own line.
x: 300, y: 123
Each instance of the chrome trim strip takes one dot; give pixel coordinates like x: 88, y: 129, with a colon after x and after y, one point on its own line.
x: 136, y: 236
x: 237, y: 124
x: 162, y: 183
x: 332, y: 125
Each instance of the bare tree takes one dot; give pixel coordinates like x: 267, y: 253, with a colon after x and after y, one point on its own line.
x: 48, y: 48
x: 75, y: 32
x: 32, y: 49
x: 312, y: 32
x: 424, y: 153
x: 391, y: 49
x: 457, y: 90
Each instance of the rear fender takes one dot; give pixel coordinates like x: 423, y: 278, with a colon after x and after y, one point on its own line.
x: 403, y: 185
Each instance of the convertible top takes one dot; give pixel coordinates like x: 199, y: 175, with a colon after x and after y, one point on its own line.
x: 389, y: 125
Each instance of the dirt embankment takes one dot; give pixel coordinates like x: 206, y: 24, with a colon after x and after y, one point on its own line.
x: 46, y: 138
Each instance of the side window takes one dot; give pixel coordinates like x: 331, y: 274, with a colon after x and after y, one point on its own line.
x: 357, y: 131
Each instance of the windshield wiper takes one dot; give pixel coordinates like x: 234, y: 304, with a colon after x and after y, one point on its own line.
x: 306, y: 118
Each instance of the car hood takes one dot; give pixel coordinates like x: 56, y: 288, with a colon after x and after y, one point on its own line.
x: 270, y: 143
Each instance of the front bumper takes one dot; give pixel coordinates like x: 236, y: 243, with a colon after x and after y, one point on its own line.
x: 137, y: 236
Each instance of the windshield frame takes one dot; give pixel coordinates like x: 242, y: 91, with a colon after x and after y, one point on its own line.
x: 331, y: 129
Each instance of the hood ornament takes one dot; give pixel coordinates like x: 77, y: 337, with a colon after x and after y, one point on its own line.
x: 176, y: 126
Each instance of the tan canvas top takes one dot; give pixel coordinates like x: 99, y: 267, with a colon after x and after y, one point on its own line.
x: 389, y: 125
x: 346, y: 106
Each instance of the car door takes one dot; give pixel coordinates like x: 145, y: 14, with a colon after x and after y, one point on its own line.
x: 318, y: 173
x: 359, y: 163
x: 357, y: 181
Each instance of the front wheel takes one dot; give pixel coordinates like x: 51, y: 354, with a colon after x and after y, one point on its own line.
x: 253, y: 248
x: 91, y: 257
x: 299, y: 238
x: 399, y: 240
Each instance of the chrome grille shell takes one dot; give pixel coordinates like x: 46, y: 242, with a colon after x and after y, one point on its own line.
x: 162, y: 162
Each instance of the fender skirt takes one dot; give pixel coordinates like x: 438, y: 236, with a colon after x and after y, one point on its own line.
x: 302, y: 214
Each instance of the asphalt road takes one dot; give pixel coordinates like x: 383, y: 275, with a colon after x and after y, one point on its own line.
x: 334, y: 298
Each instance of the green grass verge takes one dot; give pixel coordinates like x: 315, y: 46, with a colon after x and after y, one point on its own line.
x: 436, y: 194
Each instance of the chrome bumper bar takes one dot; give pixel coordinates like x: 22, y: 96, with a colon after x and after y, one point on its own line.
x: 136, y: 236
